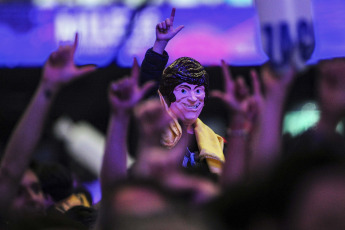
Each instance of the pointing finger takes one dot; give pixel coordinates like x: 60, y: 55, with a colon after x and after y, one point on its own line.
x: 227, y: 76
x: 172, y: 16
x: 135, y: 70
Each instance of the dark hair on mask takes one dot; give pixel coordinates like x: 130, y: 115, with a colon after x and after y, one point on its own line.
x: 184, y: 69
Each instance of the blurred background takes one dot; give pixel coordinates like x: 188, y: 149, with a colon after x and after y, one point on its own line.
x: 111, y: 33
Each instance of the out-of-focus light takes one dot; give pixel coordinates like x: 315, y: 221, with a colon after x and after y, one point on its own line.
x: 44, y: 3
x: 240, y: 3
x: 296, y: 122
x: 136, y: 3
x: 100, y: 31
x: 194, y: 3
x: 85, y: 3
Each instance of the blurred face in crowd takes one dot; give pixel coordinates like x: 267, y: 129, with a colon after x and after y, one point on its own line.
x: 189, y: 102
x: 332, y: 86
x: 29, y: 199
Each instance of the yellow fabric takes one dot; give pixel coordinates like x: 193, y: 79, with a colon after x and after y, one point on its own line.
x: 171, y: 136
x: 210, y: 144
x: 76, y: 199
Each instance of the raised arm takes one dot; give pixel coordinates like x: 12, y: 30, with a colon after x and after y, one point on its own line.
x: 58, y: 71
x: 156, y: 57
x: 268, y: 135
x: 123, y: 96
x: 164, y: 32
x: 155, y: 160
x: 243, y: 108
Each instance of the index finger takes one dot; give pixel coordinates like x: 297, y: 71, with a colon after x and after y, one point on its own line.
x: 135, y: 70
x: 76, y: 39
x: 227, y: 76
x: 172, y: 16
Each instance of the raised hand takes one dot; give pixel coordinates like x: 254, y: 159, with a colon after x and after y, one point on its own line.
x: 236, y: 94
x: 266, y: 143
x: 125, y: 93
x: 164, y: 32
x: 276, y: 85
x: 155, y: 160
x: 153, y: 120
x: 60, y: 67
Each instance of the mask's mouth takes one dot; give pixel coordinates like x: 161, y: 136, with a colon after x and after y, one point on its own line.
x: 192, y: 106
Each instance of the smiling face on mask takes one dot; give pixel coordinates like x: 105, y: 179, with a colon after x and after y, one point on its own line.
x: 189, y: 102
x: 184, y: 87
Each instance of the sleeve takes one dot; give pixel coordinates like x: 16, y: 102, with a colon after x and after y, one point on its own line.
x: 152, y: 68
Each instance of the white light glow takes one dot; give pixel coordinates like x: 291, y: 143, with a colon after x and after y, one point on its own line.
x: 100, y: 31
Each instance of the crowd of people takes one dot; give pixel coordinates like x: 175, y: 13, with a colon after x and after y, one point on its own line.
x: 185, y: 176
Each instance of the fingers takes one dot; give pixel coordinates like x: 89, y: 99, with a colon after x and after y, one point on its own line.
x: 68, y: 47
x: 227, y: 77
x: 153, y: 118
x: 113, y: 89
x: 135, y: 71
x: 86, y: 69
x: 164, y: 25
x: 255, y: 82
x: 60, y: 58
x: 242, y: 90
x: 159, y: 27
x: 172, y: 16
x: 76, y: 41
x: 178, y: 29
x: 267, y: 75
x: 168, y: 23
x: 122, y: 88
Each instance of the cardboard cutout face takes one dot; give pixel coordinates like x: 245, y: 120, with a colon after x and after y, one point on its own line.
x: 189, y: 102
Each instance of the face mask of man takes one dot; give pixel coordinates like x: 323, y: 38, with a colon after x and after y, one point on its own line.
x: 189, y: 102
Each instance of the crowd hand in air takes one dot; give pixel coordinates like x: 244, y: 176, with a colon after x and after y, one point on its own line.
x: 276, y: 85
x: 239, y: 101
x: 60, y: 68
x: 266, y: 145
x: 244, y: 110
x: 154, y: 159
x: 165, y: 31
x: 125, y: 93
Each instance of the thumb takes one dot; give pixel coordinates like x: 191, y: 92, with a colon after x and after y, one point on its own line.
x: 178, y: 29
x: 86, y: 69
